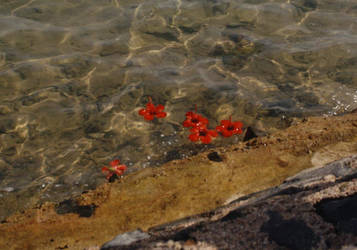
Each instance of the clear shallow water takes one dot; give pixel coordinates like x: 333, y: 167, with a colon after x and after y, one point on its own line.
x: 73, y: 75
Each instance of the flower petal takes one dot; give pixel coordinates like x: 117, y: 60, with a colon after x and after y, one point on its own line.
x: 203, y: 120
x: 226, y: 123
x: 205, y: 139
x: 237, y: 124
x: 237, y: 131
x: 212, y: 133
x: 142, y: 111
x: 194, y: 137
x: 219, y: 128
x: 114, y: 163
x: 187, y: 123
x: 122, y: 167
x: 160, y: 107
x: 161, y: 115
x: 150, y: 106
x: 195, y: 129
x: 149, y: 117
x: 227, y: 133
x: 105, y: 170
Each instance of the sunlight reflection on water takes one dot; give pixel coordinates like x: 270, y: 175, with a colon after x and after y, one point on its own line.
x: 73, y: 75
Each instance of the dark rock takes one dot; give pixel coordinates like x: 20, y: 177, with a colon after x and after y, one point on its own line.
x: 233, y: 215
x: 290, y: 190
x: 249, y: 134
x: 184, y: 235
x: 113, y: 178
x: 214, y: 156
x: 342, y: 213
x: 71, y: 206
x: 294, y: 234
x: 173, y: 155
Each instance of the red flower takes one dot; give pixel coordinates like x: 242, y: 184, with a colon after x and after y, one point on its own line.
x: 202, y: 134
x: 229, y: 128
x: 150, y: 112
x: 194, y: 120
x: 113, y: 169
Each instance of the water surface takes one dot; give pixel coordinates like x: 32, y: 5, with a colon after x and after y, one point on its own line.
x: 73, y: 75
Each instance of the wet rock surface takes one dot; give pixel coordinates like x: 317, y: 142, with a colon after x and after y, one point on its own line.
x: 309, y: 211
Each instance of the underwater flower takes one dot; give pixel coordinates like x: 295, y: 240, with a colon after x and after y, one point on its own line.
x: 202, y: 133
x: 150, y: 112
x: 194, y: 120
x: 229, y: 128
x: 113, y: 169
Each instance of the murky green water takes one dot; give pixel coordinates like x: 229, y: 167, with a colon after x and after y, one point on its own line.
x: 73, y: 75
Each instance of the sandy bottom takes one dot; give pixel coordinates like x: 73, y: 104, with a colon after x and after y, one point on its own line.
x: 181, y: 188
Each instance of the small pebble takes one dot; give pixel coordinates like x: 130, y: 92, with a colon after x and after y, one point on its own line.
x: 330, y: 178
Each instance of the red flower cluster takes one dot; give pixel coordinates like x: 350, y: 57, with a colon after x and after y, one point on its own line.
x: 113, y: 169
x: 150, y: 112
x: 198, y: 130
